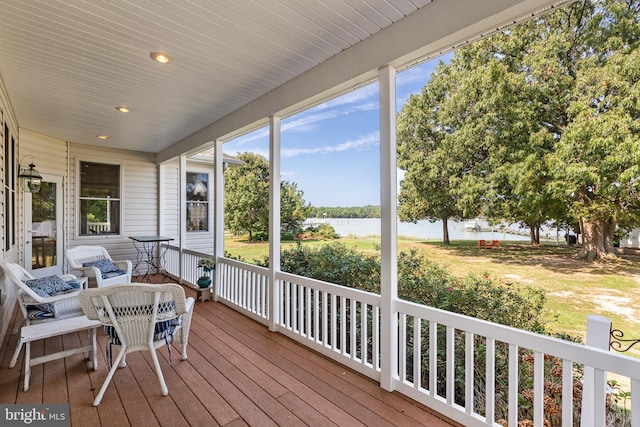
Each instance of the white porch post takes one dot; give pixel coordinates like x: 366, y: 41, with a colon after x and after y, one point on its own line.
x: 389, y: 228
x: 218, y: 209
x: 274, y: 218
x: 182, y: 206
x: 162, y: 201
x: 162, y: 182
x: 594, y: 382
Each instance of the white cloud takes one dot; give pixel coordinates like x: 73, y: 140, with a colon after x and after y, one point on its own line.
x: 357, y: 144
x: 362, y: 94
x: 304, y: 122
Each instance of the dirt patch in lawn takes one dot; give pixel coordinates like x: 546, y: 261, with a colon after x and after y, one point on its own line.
x: 617, y: 305
x: 518, y: 278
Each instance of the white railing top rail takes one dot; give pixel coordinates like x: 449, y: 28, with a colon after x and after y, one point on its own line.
x: 188, y: 251
x: 350, y: 293
x: 243, y: 265
x: 578, y: 353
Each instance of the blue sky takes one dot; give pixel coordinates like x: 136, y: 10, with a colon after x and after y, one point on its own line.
x: 332, y: 151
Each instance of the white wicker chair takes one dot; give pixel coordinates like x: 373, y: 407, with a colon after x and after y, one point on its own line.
x: 132, y: 312
x: 79, y: 255
x: 64, y: 306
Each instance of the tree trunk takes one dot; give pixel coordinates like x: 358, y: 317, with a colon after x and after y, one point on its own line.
x: 597, y: 238
x: 445, y: 230
x: 534, y: 233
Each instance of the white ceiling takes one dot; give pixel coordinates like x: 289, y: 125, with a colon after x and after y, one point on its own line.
x: 67, y: 64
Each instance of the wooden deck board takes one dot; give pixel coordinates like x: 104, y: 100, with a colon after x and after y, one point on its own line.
x: 237, y: 374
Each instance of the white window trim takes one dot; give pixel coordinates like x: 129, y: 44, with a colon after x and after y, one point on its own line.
x: 76, y: 224
x: 208, y: 201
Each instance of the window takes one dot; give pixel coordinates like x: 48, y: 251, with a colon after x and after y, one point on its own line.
x: 197, y: 201
x: 99, y: 199
x: 9, y: 187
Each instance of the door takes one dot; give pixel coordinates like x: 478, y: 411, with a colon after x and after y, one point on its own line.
x: 43, y: 218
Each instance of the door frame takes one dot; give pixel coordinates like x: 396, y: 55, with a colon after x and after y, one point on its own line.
x: 28, y: 233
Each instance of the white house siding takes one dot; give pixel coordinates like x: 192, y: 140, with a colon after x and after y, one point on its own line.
x: 139, y: 198
x: 7, y: 293
x: 632, y: 240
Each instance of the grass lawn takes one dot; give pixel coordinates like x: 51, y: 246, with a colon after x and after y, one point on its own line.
x: 574, y: 288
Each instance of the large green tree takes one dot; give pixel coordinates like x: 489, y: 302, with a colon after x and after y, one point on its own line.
x: 428, y: 188
x: 540, y: 122
x: 247, y: 198
x: 293, y: 209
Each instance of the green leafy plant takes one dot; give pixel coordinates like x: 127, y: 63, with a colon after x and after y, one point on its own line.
x: 207, y: 264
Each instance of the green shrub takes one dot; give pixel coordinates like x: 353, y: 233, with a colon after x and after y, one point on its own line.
x: 424, y: 282
x: 287, y: 236
x: 326, y: 231
x: 260, y: 236
x: 334, y: 263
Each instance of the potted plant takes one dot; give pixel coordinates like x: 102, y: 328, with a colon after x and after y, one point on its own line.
x: 207, y: 264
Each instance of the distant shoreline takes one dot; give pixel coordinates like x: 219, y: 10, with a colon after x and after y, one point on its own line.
x: 366, y: 227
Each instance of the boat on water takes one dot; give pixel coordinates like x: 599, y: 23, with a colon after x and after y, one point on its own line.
x: 471, y: 225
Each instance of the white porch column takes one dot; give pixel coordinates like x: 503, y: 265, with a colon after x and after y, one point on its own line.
x: 218, y: 209
x: 162, y: 182
x: 274, y: 218
x: 389, y: 228
x: 182, y: 206
x: 595, y: 382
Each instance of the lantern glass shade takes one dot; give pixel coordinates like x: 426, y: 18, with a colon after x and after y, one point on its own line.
x: 30, y: 179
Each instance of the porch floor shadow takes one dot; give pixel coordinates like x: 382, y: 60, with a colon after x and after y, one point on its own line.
x: 237, y: 374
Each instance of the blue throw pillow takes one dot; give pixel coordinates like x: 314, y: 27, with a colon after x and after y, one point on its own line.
x: 45, y: 287
x: 104, y: 265
x: 50, y: 286
x: 107, y: 268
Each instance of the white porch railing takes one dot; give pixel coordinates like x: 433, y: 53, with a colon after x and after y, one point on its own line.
x: 244, y: 287
x: 98, y: 227
x: 190, y: 271
x: 438, y: 362
x: 341, y: 323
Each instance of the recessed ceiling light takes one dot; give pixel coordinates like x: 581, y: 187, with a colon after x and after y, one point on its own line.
x: 160, y: 57
x: 102, y: 137
x: 123, y: 109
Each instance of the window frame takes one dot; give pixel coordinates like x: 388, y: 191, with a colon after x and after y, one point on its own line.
x: 207, y: 202
x: 9, y: 178
x: 79, y: 199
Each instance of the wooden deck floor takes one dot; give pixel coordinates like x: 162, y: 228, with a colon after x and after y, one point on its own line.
x: 238, y: 373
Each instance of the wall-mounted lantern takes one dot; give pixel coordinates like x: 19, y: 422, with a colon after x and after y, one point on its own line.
x: 30, y: 179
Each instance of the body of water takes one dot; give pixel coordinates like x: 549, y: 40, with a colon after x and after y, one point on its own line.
x: 362, y: 227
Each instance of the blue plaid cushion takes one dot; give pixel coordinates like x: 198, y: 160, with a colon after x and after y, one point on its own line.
x: 36, y: 312
x: 107, y: 268
x: 163, y: 330
x: 48, y: 287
